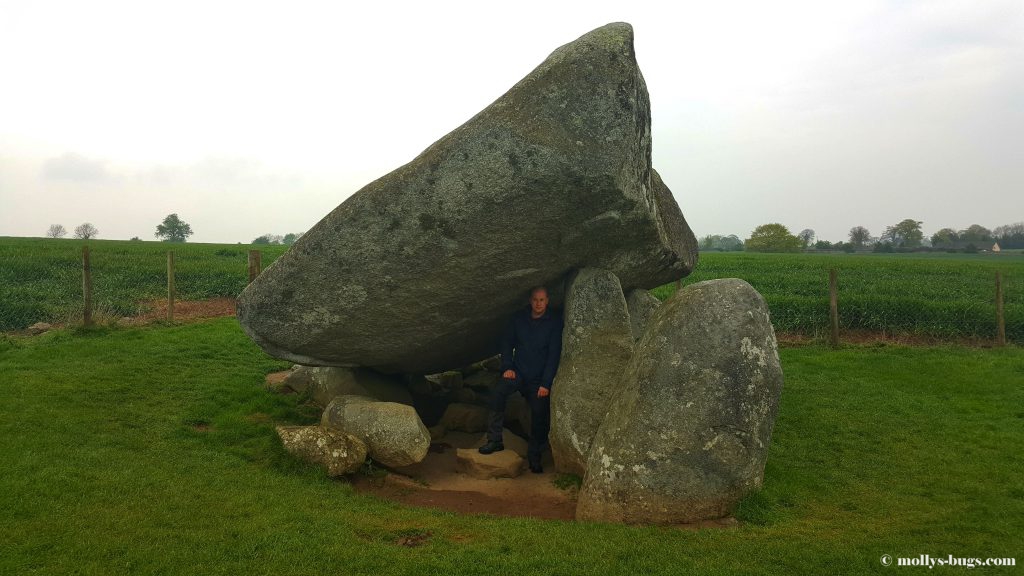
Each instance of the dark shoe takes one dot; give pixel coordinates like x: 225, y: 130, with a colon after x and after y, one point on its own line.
x: 491, y: 447
x: 536, y: 468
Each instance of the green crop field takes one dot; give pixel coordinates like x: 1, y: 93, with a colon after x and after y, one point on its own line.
x: 41, y: 279
x: 937, y: 295
x: 933, y: 294
x: 151, y: 450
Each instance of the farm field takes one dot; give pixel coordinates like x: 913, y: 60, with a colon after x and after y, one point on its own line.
x: 937, y: 295
x: 152, y: 450
x: 928, y: 294
x: 41, y: 279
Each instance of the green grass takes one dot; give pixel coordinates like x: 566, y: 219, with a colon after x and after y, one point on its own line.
x: 934, y: 294
x: 41, y: 279
x: 939, y: 295
x: 152, y: 450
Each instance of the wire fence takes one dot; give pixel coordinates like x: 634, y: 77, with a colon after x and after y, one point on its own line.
x: 939, y: 298
x: 936, y: 298
x: 45, y: 280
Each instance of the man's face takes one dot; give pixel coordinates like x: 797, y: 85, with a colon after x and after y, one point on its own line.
x: 539, y: 302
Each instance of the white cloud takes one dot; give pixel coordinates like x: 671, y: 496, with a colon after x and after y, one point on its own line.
x: 820, y: 115
x: 75, y: 168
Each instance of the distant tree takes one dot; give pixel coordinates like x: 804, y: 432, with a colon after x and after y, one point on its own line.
x: 976, y: 234
x: 731, y: 243
x: 823, y: 245
x: 945, y: 238
x: 136, y: 239
x: 268, y: 239
x: 173, y: 229
x: 56, y: 231
x: 708, y: 242
x: 86, y: 231
x: 714, y: 242
x: 772, y: 238
x: 806, y: 236
x: 1009, y: 235
x: 859, y: 236
x: 906, y: 234
x: 291, y: 237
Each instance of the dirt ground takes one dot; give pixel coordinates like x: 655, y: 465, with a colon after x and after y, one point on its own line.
x: 184, y: 310
x: 434, y: 483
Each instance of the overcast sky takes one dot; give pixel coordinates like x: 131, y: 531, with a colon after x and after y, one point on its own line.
x: 247, y: 117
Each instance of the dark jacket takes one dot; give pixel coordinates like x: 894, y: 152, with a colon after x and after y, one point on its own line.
x: 532, y: 347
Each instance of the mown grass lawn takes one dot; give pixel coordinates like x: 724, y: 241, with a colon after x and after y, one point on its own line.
x: 151, y: 450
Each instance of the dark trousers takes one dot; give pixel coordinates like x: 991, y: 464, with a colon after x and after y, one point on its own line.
x: 540, y: 413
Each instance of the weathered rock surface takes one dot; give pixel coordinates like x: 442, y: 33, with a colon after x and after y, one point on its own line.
x: 596, y: 346
x: 327, y: 383
x: 341, y: 453
x: 511, y: 440
x: 504, y: 464
x: 689, y: 435
x: 641, y: 305
x: 393, y: 433
x: 485, y: 380
x: 465, y: 396
x: 464, y: 417
x: 382, y: 281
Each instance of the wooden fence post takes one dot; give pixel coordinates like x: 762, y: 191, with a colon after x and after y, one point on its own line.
x: 1000, y: 319
x: 255, y: 264
x: 833, y: 306
x: 170, y: 286
x: 86, y: 287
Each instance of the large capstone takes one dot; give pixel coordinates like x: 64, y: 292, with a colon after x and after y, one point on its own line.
x: 597, y: 343
x: 689, y: 435
x: 420, y: 270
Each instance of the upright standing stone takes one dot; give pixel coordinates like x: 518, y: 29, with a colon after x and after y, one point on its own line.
x: 690, y: 433
x: 641, y: 305
x: 596, y: 346
x: 555, y: 175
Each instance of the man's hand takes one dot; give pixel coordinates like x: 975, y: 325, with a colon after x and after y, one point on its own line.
x: 510, y: 374
x: 542, y: 392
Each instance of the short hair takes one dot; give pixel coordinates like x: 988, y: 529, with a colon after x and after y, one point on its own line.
x: 536, y: 289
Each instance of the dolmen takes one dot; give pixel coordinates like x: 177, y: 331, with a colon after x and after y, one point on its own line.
x: 665, y: 410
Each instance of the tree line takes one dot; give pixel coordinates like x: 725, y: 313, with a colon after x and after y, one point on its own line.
x: 172, y: 229
x: 903, y: 236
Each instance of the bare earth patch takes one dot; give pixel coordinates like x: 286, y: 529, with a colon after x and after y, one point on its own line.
x: 274, y: 380
x: 434, y: 483
x: 184, y: 310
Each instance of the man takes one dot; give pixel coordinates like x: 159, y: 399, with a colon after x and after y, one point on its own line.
x: 530, y: 350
